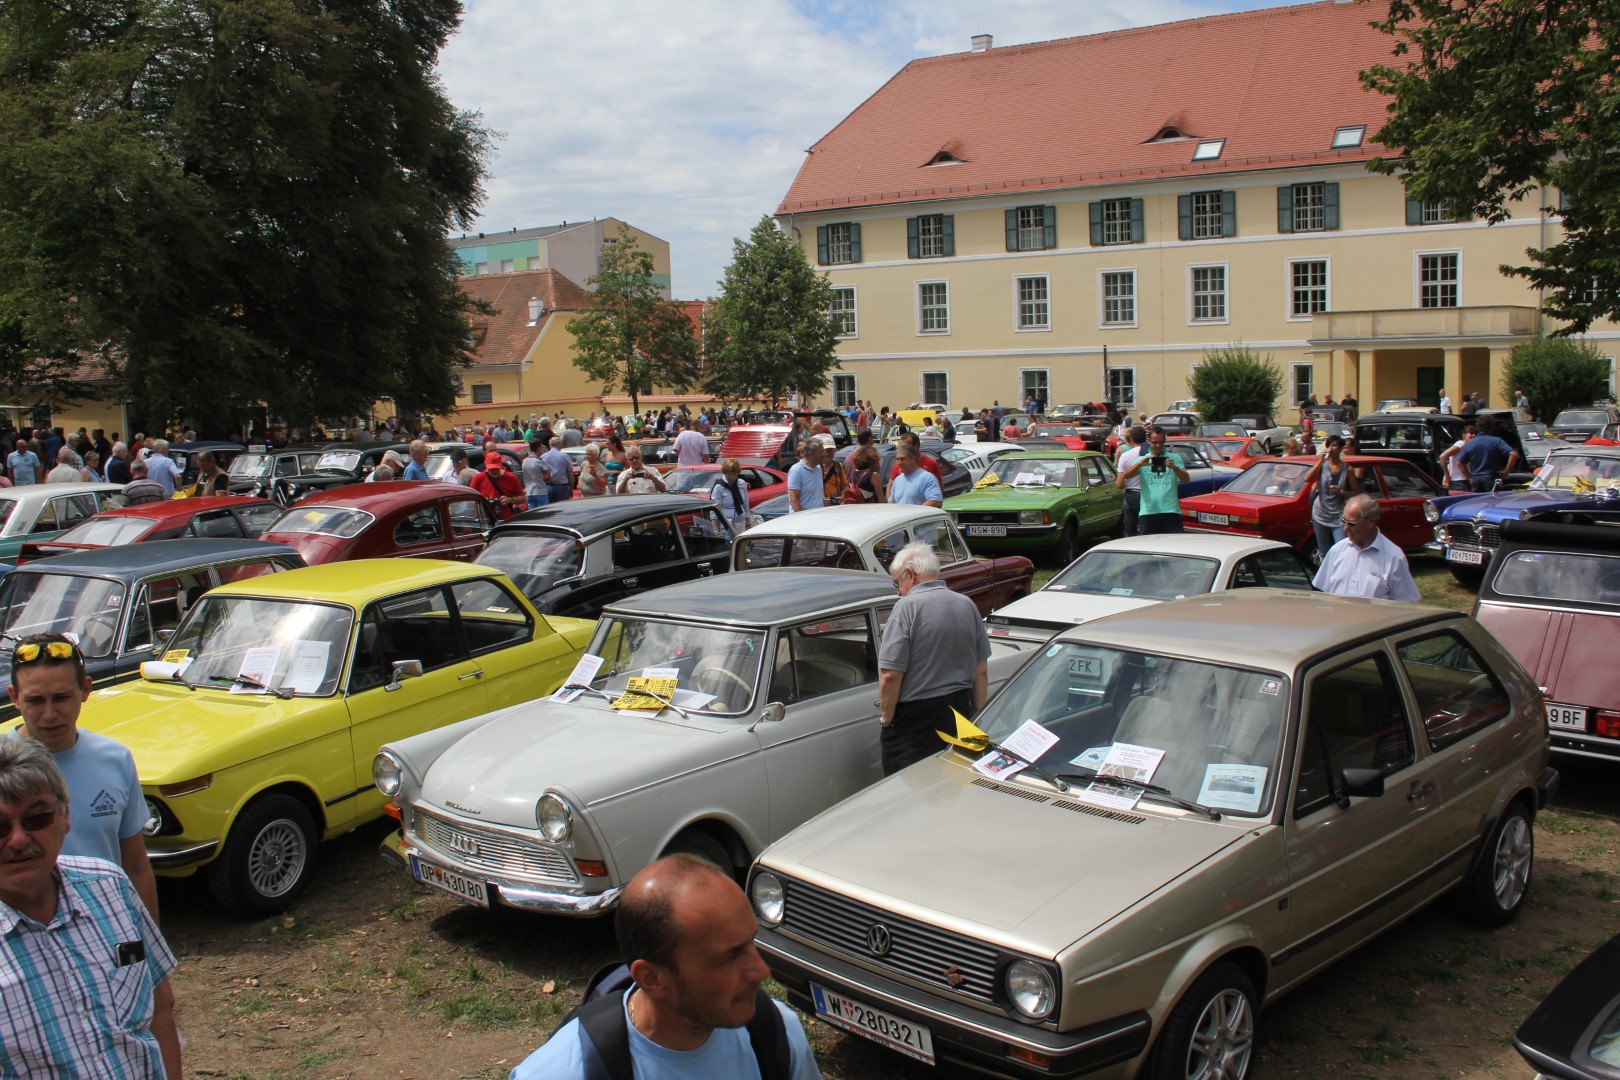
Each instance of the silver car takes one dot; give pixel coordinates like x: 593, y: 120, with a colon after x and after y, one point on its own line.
x: 1176, y: 815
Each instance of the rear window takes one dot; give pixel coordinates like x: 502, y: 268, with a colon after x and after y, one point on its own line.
x: 107, y: 531
x: 327, y: 520
x: 1282, y: 478
x: 772, y: 551
x: 1584, y: 417
x: 339, y: 460
x: 1560, y: 575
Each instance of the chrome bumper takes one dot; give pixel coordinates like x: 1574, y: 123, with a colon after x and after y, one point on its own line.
x: 508, y: 892
x: 169, y: 860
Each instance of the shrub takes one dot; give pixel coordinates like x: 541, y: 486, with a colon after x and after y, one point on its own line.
x: 1555, y: 374
x: 1234, y: 380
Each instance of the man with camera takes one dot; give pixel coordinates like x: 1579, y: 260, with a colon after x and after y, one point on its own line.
x: 1161, y: 474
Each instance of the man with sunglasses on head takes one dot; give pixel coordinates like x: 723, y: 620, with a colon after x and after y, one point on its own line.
x: 84, y: 970
x: 49, y: 686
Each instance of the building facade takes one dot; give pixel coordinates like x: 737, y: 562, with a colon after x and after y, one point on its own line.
x: 573, y: 250
x: 1086, y: 218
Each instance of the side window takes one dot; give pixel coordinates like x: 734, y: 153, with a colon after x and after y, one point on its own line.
x: 242, y: 571
x: 413, y: 626
x: 1456, y: 694
x: 215, y: 523
x: 161, y: 604
x: 1272, y: 570
x: 646, y: 544
x: 823, y: 657
x: 48, y: 517
x: 1406, y: 436
x: 491, y: 617
x: 1354, y: 719
x: 287, y: 466
x: 938, y: 535
x: 470, y: 517
x: 707, y: 535
x: 887, y: 547
x: 74, y: 509
x: 256, y: 519
x: 1406, y: 483
x: 419, y: 527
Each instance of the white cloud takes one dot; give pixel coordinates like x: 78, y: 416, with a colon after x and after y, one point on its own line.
x: 689, y: 120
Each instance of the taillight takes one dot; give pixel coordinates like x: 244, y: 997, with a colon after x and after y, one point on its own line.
x: 1608, y: 724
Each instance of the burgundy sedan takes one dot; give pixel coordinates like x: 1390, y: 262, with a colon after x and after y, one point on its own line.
x: 418, y: 519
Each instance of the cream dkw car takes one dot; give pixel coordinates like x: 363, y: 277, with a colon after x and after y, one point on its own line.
x: 1287, y: 775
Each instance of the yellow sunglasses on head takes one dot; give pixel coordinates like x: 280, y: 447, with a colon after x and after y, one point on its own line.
x: 56, y: 650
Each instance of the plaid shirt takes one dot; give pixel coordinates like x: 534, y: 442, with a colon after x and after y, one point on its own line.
x: 68, y: 1008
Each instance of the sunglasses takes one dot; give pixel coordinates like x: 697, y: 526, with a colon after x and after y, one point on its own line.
x: 1349, y: 524
x: 33, y: 650
x: 38, y: 821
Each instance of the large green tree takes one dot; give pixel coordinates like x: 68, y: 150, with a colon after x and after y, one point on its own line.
x: 1499, y: 97
x: 631, y: 338
x: 1555, y: 374
x: 1234, y: 380
x: 770, y: 333
x: 234, y: 201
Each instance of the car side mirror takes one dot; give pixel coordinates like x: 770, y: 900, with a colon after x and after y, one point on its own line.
x: 1360, y: 783
x: 402, y: 670
x: 772, y: 713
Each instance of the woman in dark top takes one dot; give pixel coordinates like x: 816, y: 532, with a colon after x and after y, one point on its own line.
x: 864, y: 473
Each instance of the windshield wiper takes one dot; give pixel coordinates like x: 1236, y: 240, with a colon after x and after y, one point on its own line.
x: 1143, y: 785
x: 588, y: 689
x: 985, y: 745
x: 666, y: 702
x: 254, y: 684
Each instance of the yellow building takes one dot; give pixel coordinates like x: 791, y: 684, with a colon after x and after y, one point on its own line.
x: 1086, y: 217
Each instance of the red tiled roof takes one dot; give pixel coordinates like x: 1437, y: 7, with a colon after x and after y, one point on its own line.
x: 506, y: 337
x: 1274, y: 84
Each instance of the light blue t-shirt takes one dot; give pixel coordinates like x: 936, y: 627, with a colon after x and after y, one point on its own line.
x: 915, y: 489
x: 106, y: 805
x: 414, y: 471
x: 727, y: 1054
x: 807, y: 480
x: 24, y: 467
x: 161, y: 468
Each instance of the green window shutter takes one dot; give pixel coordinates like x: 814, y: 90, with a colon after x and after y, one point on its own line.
x: 821, y: 245
x: 1012, y: 230
x: 1330, y: 206
x: 1138, y: 225
x: 1285, y: 209
x: 1414, y: 212
x: 854, y: 243
x: 947, y: 228
x: 1049, y: 232
x: 1096, y: 224
x: 1184, y: 217
x: 913, y: 245
x: 1228, y: 213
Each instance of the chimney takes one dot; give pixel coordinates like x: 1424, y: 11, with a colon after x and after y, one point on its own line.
x: 981, y: 42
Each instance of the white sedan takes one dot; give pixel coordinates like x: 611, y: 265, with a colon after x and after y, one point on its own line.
x: 977, y: 457
x: 1120, y: 575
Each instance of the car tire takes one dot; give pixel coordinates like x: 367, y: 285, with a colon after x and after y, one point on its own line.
x: 1496, y: 889
x: 1068, y: 545
x: 1209, y: 1033
x: 268, y: 859
x: 704, y: 846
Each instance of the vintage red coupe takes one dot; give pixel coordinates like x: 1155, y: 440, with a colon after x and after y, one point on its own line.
x: 419, y: 519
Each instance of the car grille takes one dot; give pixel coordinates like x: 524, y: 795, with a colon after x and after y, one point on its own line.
x: 479, y: 847
x: 1477, y: 536
x: 984, y: 517
x: 917, y: 950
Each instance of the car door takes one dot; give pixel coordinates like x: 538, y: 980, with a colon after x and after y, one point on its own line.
x: 515, y: 663
x: 706, y: 536
x: 255, y: 519
x: 1101, y: 503
x: 1401, y: 491
x: 216, y: 523
x: 421, y: 625
x: 420, y: 534
x: 1356, y: 864
x: 960, y: 571
x: 825, y: 748
x: 470, y: 521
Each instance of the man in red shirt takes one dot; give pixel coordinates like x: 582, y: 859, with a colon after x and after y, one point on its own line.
x: 927, y: 462
x: 499, y: 486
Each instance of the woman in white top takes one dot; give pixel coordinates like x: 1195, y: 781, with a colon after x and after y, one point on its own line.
x: 731, y: 492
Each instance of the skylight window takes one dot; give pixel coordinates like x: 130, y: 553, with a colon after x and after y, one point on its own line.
x: 1346, y: 138
x: 1209, y: 150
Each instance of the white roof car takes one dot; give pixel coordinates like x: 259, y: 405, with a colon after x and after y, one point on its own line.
x: 976, y: 457
x: 1121, y: 575
x: 40, y: 511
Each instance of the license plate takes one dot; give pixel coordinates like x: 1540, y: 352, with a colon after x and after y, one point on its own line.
x: 1566, y: 718
x: 912, y: 1040
x: 1214, y: 519
x: 1472, y: 558
x: 987, y: 530
x: 457, y: 885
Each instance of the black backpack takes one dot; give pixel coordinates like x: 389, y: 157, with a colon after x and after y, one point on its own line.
x: 604, y: 1036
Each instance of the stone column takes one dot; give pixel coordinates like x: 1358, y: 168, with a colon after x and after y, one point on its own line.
x: 1498, y: 367
x: 1454, y: 377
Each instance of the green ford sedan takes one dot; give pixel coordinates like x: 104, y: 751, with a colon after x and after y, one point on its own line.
x: 1042, y: 501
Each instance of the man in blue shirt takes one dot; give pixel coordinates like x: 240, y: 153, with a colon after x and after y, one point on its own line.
x: 1486, y: 457
x: 913, y: 484
x: 23, y: 465
x: 805, y: 479
x: 417, y: 469
x: 560, y: 484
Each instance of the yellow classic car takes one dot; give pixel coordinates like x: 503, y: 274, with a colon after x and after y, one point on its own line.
x: 254, y: 735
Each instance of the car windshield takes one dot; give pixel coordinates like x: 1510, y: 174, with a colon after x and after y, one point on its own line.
x: 338, y: 461
x: 1143, y: 575
x: 1229, y: 446
x: 718, y: 667
x: 1279, y: 478
x: 687, y: 481
x: 767, y: 551
x: 252, y: 466
x: 327, y: 520
x: 1578, y: 417
x: 1560, y: 575
x: 106, y: 531
x: 1533, y: 431
x: 1053, y: 430
x: 441, y: 467
x: 534, y: 560
x: 1033, y: 472
x: 1204, y: 731
x: 1579, y: 473
x: 61, y: 604
x: 291, y: 646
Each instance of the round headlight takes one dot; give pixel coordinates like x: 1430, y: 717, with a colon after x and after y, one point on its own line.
x: 154, y: 819
x: 1030, y: 989
x: 1431, y: 512
x: 387, y: 773
x: 556, y: 821
x: 769, y: 900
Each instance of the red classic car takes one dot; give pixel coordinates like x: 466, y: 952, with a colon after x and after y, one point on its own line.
x: 230, y: 516
x: 763, y: 483
x: 1238, y: 451
x: 1272, y: 499
x: 1068, y: 434
x: 422, y: 519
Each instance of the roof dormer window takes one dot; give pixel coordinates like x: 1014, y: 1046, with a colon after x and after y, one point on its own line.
x: 1169, y: 134
x: 1347, y: 138
x: 1209, y: 150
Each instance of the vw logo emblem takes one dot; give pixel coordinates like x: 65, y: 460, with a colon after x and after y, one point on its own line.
x: 465, y: 845
x: 877, y: 939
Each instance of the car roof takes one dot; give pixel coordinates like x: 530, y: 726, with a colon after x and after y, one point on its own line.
x: 153, y: 557
x: 181, y: 508
x: 1585, y: 450
x: 1052, y: 453
x: 41, y: 492
x: 590, y: 517
x: 760, y: 597
x: 855, y: 522
x: 386, y: 495
x: 356, y: 580
x: 1274, y: 629
x: 1600, y: 538
x: 1212, y: 545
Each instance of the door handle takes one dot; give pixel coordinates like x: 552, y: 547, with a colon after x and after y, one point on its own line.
x: 1419, y: 790
x: 479, y: 674
x: 631, y: 582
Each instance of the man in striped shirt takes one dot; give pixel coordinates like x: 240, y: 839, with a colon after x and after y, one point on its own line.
x: 84, y: 972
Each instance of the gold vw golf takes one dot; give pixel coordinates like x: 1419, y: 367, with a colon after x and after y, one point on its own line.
x: 1171, y: 817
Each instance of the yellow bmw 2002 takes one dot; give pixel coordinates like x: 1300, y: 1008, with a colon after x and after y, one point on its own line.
x: 254, y: 735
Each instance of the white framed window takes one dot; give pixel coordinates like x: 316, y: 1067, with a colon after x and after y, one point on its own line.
x: 1034, y: 308
x: 1439, y: 279
x: 1307, y: 287
x: 933, y: 307
x: 843, y: 310
x: 931, y: 236
x: 484, y: 268
x: 1122, y: 386
x: 1302, y: 377
x: 1034, y: 383
x: 1207, y: 293
x: 838, y: 243
x: 507, y: 266
x: 483, y: 394
x: 1117, y: 220
x: 1209, y: 150
x: 1419, y: 212
x: 843, y: 389
x: 1308, y: 208
x: 935, y: 387
x: 1345, y: 138
x: 1118, y: 300
x: 1031, y: 228
x: 1206, y: 215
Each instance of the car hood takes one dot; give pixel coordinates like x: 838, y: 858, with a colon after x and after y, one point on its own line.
x: 1509, y: 505
x: 1005, y: 497
x: 498, y: 771
x: 939, y: 843
x: 1053, y: 608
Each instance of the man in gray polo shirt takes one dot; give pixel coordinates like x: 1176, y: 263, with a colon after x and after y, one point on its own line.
x: 932, y: 661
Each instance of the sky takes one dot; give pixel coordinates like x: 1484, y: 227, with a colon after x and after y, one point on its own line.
x: 690, y: 119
